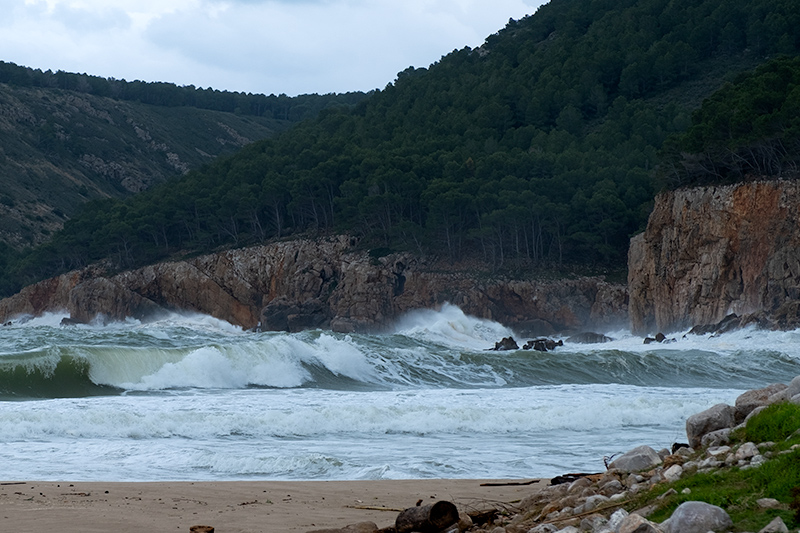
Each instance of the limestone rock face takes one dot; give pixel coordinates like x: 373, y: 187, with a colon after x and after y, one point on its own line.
x: 323, y: 283
x: 708, y: 252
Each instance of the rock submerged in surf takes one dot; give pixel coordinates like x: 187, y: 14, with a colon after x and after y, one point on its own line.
x: 542, y: 345
x: 505, y: 344
x: 660, y: 338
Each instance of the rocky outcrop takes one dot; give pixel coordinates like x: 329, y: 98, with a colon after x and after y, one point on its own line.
x: 323, y: 283
x: 714, y: 425
x: 709, y: 252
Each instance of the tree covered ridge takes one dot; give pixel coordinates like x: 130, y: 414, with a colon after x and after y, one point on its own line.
x: 535, y: 149
x: 279, y: 107
x: 750, y: 127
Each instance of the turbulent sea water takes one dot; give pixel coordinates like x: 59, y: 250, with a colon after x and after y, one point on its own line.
x: 193, y: 398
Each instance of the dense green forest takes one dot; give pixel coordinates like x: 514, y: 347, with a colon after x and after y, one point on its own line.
x: 70, y: 138
x: 750, y: 127
x: 537, y: 149
x: 281, y: 107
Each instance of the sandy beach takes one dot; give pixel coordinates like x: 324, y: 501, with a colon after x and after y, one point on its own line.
x: 232, y: 507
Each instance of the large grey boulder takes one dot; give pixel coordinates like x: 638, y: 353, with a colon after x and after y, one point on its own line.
x: 697, y: 517
x: 720, y: 416
x: 639, y: 458
x: 787, y: 393
x: 719, y: 437
x: 747, y: 401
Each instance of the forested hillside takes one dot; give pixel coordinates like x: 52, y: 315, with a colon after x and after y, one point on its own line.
x: 281, y: 107
x: 748, y: 128
x: 68, y: 138
x: 535, y: 150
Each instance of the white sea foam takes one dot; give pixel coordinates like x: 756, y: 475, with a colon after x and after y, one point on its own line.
x: 314, y: 412
x: 747, y: 339
x: 206, y: 401
x: 449, y: 326
x: 315, y: 433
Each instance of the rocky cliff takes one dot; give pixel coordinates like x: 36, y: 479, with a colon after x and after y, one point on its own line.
x: 325, y: 283
x: 709, y: 252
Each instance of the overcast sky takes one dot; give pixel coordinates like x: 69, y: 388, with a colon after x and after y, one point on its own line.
x: 259, y: 46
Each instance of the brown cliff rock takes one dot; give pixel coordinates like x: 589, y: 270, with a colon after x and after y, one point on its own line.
x: 709, y: 252
x: 322, y: 283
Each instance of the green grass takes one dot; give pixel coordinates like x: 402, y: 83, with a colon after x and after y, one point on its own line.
x: 737, y: 490
x: 777, y: 423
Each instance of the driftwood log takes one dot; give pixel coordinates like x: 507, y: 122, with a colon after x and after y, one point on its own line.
x: 427, y: 518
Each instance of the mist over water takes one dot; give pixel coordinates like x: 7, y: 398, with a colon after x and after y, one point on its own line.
x: 191, y: 397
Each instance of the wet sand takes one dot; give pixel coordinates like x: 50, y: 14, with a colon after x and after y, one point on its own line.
x: 232, y: 507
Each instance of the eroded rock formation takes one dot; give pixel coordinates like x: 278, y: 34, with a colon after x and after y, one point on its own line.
x: 709, y: 252
x: 324, y: 283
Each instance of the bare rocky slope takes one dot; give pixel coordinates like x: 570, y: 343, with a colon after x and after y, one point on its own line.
x: 60, y: 149
x: 325, y: 283
x: 709, y: 252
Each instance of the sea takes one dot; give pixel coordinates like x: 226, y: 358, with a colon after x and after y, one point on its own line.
x: 190, y: 397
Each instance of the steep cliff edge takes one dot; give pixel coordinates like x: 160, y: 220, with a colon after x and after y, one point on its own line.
x: 322, y: 283
x: 711, y: 251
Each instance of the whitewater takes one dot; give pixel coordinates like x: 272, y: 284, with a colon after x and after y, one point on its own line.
x: 194, y: 398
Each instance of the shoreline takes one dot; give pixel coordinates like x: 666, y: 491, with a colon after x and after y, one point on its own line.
x: 236, y: 506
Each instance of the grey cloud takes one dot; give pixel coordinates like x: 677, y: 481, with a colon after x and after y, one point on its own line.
x: 86, y: 20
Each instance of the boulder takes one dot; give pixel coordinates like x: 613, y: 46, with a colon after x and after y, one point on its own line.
x: 786, y: 394
x: 542, y: 345
x: 747, y: 401
x: 673, y: 473
x: 635, y: 523
x: 768, y: 503
x: 776, y: 526
x: 717, y: 417
x: 505, y: 344
x: 753, y: 413
x: 748, y: 450
x: 660, y: 338
x: 697, y: 517
x: 639, y: 458
x: 719, y: 437
x: 616, y: 519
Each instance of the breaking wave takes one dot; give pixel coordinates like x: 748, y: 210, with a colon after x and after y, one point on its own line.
x: 443, y: 349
